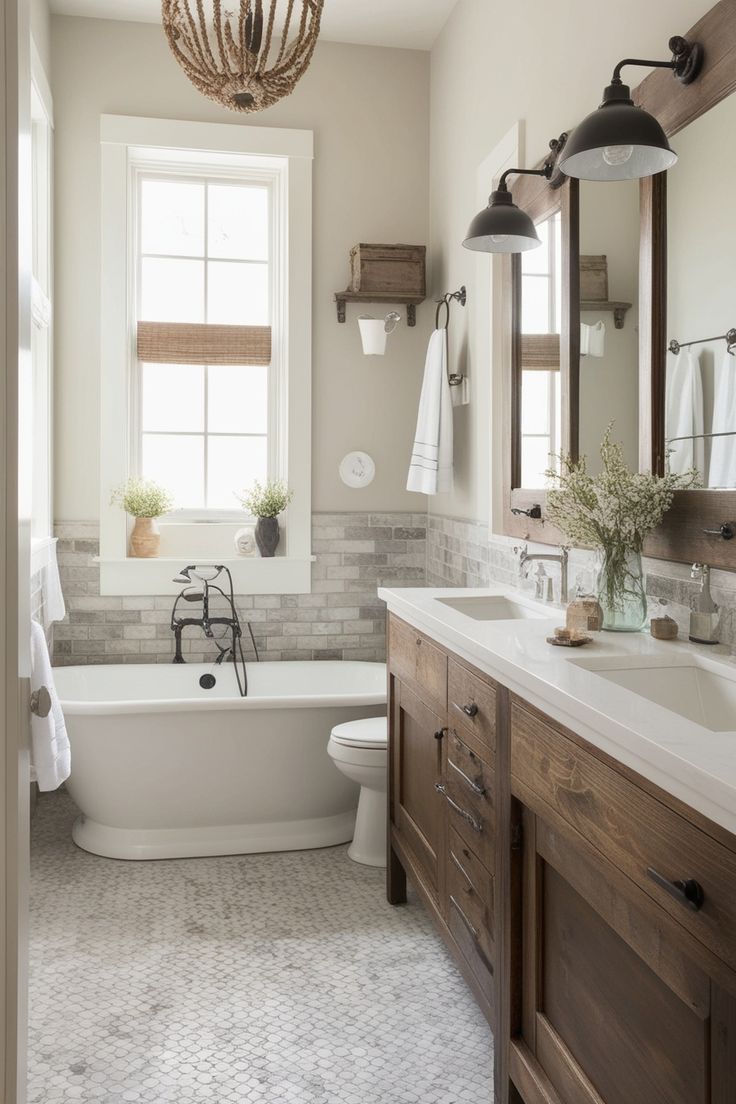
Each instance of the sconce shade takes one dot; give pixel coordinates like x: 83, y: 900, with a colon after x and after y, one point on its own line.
x: 501, y: 227
x: 617, y: 141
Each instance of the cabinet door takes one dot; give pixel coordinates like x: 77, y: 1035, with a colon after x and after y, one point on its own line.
x: 416, y: 805
x: 616, y: 1004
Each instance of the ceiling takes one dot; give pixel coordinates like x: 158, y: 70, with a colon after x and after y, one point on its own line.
x: 413, y: 24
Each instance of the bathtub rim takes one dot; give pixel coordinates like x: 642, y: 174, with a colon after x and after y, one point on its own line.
x: 109, y: 706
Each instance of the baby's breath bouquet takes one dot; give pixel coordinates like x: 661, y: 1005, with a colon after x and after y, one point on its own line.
x: 142, y: 498
x: 613, y: 512
x: 266, y: 501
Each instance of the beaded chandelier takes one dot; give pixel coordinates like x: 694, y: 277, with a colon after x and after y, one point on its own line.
x: 246, y: 59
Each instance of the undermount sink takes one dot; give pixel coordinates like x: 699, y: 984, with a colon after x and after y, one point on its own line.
x: 691, y: 691
x: 492, y: 607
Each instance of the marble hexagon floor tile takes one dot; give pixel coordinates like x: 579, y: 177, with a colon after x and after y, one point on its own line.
x: 260, y: 979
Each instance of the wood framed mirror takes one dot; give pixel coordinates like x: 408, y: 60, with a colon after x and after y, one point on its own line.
x: 688, y: 294
x: 540, y: 288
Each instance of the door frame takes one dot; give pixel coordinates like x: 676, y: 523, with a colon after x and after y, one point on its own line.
x: 15, y: 297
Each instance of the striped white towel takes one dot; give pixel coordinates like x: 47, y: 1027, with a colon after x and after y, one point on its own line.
x: 430, y: 470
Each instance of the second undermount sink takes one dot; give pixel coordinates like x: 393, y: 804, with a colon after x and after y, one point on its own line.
x: 492, y: 607
x: 690, y: 690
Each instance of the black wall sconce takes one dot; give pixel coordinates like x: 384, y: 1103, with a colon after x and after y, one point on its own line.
x: 502, y: 227
x: 620, y: 141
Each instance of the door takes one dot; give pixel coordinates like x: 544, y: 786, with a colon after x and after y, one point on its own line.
x: 15, y: 267
x: 617, y: 1003
x: 416, y: 804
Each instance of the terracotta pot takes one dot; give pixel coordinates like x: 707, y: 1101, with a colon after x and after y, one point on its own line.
x: 145, y: 540
x: 267, y: 535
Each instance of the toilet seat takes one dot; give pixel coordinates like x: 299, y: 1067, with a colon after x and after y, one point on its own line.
x: 371, y: 732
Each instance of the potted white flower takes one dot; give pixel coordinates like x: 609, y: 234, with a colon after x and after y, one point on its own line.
x: 613, y: 512
x: 145, y: 501
x: 266, y: 502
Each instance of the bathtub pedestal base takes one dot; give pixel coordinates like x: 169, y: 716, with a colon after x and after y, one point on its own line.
x: 197, y: 842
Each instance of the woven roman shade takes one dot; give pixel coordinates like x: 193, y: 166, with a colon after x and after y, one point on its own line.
x: 540, y: 352
x: 198, y: 343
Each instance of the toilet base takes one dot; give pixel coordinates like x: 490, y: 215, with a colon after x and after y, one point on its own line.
x: 369, y: 841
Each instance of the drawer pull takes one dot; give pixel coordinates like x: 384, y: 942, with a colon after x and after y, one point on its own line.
x: 458, y: 808
x: 440, y: 733
x: 469, y: 710
x: 685, y: 890
x: 479, y: 790
x: 456, y: 862
x: 473, y: 931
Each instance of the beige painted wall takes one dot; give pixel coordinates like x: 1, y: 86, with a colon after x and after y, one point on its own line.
x: 41, y: 31
x: 369, y: 111
x: 545, y: 64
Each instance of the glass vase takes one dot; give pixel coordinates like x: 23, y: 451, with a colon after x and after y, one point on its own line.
x: 620, y: 590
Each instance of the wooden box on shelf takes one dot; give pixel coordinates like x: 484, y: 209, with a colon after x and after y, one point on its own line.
x: 594, y: 278
x: 386, y: 268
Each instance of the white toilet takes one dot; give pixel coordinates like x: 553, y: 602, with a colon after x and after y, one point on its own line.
x: 359, y: 750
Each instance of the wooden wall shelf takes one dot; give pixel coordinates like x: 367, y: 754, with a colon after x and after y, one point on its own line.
x: 386, y: 297
x: 619, y: 309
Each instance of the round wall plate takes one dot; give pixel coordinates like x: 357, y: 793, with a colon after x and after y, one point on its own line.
x: 357, y: 469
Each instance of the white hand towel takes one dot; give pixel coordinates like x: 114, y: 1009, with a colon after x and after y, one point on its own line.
x: 722, y: 470
x: 430, y: 470
x: 50, y: 751
x: 53, y: 608
x: 684, y: 414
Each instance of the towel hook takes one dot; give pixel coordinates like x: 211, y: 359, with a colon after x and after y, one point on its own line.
x: 461, y: 297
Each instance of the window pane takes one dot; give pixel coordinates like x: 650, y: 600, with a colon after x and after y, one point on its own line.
x: 535, y: 304
x: 172, y: 218
x: 534, y: 460
x: 233, y: 464
x: 535, y: 402
x: 177, y: 462
x: 238, y: 222
x: 172, y: 291
x: 172, y: 397
x: 237, y: 293
x: 237, y: 399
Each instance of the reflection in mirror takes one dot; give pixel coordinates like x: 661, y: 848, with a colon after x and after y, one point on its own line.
x: 609, y: 282
x: 540, y: 355
x: 700, y: 402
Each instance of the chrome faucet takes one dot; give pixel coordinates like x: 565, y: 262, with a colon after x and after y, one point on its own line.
x: 525, y: 558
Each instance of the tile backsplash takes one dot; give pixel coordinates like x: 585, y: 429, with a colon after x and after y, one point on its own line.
x: 461, y: 553
x: 341, y: 619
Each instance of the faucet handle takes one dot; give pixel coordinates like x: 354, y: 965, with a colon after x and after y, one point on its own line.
x: 699, y: 571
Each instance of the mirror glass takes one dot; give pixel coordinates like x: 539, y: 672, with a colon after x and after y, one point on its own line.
x: 609, y: 332
x: 540, y: 318
x: 700, y: 398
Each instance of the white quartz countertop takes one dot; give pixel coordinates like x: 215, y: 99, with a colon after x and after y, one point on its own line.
x: 684, y: 758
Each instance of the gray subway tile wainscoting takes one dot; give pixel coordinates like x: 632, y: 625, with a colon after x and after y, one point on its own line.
x: 342, y: 618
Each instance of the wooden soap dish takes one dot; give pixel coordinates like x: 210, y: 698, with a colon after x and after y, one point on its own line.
x: 567, y: 638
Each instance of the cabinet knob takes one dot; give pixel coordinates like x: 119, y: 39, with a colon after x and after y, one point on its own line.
x: 470, y: 709
x: 440, y: 733
x: 685, y: 890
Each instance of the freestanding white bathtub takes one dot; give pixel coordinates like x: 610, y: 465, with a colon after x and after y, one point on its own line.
x: 162, y: 768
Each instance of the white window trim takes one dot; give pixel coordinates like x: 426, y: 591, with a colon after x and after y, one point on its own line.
x: 120, y: 136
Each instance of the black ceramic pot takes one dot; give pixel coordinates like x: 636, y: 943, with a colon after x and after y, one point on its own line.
x: 267, y: 535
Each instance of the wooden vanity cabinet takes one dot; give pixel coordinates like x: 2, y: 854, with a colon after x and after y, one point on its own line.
x: 614, y: 1000
x: 592, y: 914
x: 442, y: 796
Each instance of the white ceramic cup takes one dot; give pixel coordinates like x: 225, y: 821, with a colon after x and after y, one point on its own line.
x: 374, y: 331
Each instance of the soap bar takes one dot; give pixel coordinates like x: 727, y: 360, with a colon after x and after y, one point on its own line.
x: 584, y: 614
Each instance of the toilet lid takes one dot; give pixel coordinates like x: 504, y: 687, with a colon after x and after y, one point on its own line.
x: 369, y: 733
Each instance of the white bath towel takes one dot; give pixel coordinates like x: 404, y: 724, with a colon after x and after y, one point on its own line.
x: 430, y: 470
x: 50, y: 751
x: 722, y: 470
x: 684, y: 414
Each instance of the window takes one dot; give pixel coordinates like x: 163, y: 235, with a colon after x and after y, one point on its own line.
x: 541, y: 315
x: 206, y: 341
x: 204, y: 256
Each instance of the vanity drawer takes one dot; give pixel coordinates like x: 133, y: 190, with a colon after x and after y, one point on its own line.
x: 471, y: 702
x: 417, y: 661
x: 468, y: 793
x: 470, y: 883
x: 467, y: 937
x: 651, y: 843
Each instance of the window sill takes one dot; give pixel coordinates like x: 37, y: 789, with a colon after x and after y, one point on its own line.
x: 131, y: 577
